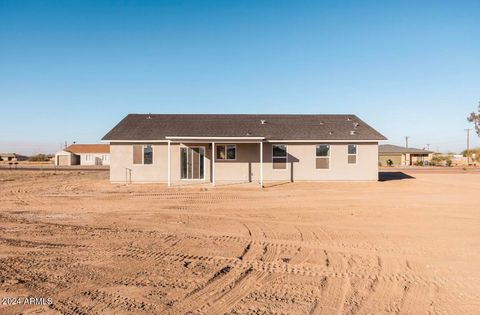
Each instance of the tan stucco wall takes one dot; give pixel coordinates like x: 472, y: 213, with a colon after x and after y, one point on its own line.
x: 301, y: 164
x: 396, y: 159
x: 63, y: 161
x: 403, y: 159
x: 95, y: 159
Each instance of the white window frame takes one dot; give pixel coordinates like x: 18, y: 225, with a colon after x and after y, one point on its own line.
x: 204, y: 161
x: 226, y: 150
x: 329, y: 157
x: 356, y: 154
x: 88, y: 157
x: 280, y: 157
x: 143, y: 155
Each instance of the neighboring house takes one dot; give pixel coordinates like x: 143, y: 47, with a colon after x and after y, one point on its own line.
x: 402, y: 156
x: 247, y: 148
x: 84, y: 154
x: 12, y: 157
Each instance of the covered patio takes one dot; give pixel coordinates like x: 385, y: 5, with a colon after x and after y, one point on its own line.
x: 223, y: 150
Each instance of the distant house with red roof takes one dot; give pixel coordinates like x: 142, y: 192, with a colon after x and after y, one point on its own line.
x: 84, y: 154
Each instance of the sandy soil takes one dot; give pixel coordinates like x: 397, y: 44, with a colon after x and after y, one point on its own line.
x: 409, y: 246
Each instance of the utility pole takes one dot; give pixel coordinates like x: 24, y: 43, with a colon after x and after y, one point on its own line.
x: 428, y: 146
x: 406, y: 141
x: 468, y: 145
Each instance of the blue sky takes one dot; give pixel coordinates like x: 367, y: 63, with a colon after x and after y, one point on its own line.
x: 70, y: 70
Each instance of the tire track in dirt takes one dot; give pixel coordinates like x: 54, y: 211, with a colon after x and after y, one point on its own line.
x: 117, y: 302
x: 219, y: 296
x: 224, y: 302
x: 201, y: 295
x: 333, y: 289
x: 378, y: 289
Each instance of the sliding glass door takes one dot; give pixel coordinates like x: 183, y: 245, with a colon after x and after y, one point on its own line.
x: 192, y: 162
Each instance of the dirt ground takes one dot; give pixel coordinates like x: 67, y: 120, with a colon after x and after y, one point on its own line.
x: 403, y: 245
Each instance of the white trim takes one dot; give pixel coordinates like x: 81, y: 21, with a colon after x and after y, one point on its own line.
x: 324, y: 157
x: 134, y: 141
x: 169, y: 163
x: 325, y: 141
x: 226, y: 159
x: 216, y: 138
x: 280, y: 157
x: 213, y: 163
x: 261, y: 164
x: 240, y: 138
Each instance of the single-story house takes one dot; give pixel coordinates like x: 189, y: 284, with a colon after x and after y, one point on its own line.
x: 242, y: 148
x: 12, y: 157
x: 84, y: 154
x: 402, y: 156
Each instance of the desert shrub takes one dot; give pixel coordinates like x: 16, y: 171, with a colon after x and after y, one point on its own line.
x: 473, y: 153
x: 448, y: 162
x: 419, y: 163
x: 437, y: 159
x: 38, y: 158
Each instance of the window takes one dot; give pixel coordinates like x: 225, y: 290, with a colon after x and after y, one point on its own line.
x: 147, y: 154
x: 279, y: 156
x: 322, y: 153
x: 143, y: 154
x: 104, y: 157
x: 352, y: 154
x: 226, y: 151
x: 88, y: 157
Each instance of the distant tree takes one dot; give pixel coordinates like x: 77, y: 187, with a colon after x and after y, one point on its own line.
x: 473, y: 153
x: 475, y: 119
x: 38, y: 158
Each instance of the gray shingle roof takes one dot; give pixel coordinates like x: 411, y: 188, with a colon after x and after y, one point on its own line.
x: 390, y: 148
x: 277, y: 127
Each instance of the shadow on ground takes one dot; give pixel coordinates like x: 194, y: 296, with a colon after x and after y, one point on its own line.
x: 388, y: 176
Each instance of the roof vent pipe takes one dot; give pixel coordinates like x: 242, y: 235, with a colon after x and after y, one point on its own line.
x: 149, y: 116
x: 263, y: 121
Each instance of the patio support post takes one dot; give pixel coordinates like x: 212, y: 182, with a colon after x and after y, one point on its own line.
x: 168, y: 163
x: 213, y: 163
x: 261, y: 164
